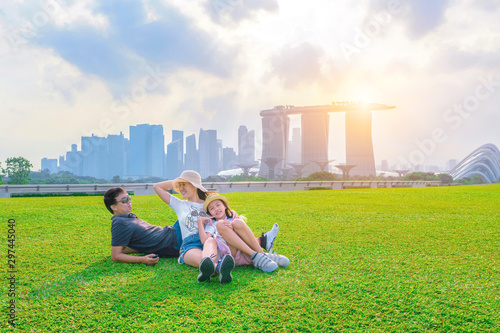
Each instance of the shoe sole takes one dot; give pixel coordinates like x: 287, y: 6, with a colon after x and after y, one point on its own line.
x: 226, y: 267
x: 207, y: 268
x: 269, y: 270
x: 270, y: 246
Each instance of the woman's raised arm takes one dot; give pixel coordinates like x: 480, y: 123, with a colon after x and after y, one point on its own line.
x: 161, y: 189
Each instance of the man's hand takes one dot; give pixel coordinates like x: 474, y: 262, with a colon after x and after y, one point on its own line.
x: 148, y: 260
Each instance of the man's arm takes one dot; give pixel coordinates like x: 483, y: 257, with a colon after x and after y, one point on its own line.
x: 118, y: 254
x: 161, y: 189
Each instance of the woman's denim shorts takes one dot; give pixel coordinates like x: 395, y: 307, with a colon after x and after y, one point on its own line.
x: 188, y: 243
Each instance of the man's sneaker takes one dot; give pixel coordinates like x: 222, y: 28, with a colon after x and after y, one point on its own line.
x: 262, y: 262
x: 282, y: 261
x: 224, y: 268
x: 206, y: 269
x: 267, y: 238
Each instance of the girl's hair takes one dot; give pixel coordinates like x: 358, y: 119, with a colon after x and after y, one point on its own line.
x: 229, y: 213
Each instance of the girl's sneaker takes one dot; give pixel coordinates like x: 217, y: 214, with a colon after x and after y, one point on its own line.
x: 267, y: 239
x: 224, y: 268
x: 206, y: 269
x: 262, y: 262
x: 282, y: 261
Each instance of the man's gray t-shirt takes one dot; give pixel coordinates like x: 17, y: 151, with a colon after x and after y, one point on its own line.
x: 129, y: 230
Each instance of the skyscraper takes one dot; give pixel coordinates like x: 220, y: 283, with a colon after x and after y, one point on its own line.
x: 94, y: 156
x: 73, y: 162
x: 275, y: 125
x: 147, y: 151
x: 117, y: 151
x: 315, y: 128
x: 246, y: 145
x: 49, y: 164
x: 359, y: 146
x: 208, y: 152
x: 175, y: 155
x: 294, y: 147
x: 229, y: 159
x: 191, y: 159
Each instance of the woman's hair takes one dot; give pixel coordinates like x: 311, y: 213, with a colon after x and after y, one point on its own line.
x: 110, y: 197
x: 202, y: 195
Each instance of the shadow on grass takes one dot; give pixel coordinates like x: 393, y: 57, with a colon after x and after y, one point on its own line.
x: 130, y: 288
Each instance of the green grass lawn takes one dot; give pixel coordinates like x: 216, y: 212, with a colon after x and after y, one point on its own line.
x: 377, y: 260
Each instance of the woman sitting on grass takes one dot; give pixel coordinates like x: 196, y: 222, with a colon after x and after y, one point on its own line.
x: 188, y: 184
x: 223, y: 227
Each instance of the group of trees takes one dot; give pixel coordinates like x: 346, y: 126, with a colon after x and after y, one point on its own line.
x: 18, y: 171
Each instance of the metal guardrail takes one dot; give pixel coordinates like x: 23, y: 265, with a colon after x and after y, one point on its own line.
x: 6, y: 191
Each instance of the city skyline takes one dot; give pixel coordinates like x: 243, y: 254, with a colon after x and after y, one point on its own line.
x: 144, y: 154
x: 107, y: 157
x: 70, y: 70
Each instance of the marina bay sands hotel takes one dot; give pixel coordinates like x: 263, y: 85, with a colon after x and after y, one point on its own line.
x: 315, y: 122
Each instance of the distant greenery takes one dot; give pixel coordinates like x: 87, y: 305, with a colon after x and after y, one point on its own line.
x: 445, y: 178
x: 474, y: 180
x: 421, y: 176
x: 366, y: 260
x: 66, y: 177
x: 216, y: 179
x: 248, y: 178
x: 76, y: 194
x: 17, y: 169
x: 320, y: 175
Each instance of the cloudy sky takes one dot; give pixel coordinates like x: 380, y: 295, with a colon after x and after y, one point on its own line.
x: 73, y: 68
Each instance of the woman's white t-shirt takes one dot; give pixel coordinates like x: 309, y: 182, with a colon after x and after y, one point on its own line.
x: 187, y: 214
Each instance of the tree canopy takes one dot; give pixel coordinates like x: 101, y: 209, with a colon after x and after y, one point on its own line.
x: 18, y: 170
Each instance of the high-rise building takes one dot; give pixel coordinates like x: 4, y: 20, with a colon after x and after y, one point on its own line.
x: 384, y: 166
x: 49, y: 164
x: 451, y: 164
x: 275, y: 125
x: 315, y: 132
x: 208, y: 152
x: 191, y: 159
x: 94, y: 156
x: 147, y: 151
x: 117, y: 151
x: 246, y: 145
x: 73, y: 162
x: 175, y: 155
x: 315, y: 127
x: 359, y: 146
x: 229, y: 159
x: 294, y: 147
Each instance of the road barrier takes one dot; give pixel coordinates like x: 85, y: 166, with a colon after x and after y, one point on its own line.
x: 6, y: 191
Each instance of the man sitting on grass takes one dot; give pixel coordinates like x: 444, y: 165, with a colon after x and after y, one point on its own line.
x: 130, y: 234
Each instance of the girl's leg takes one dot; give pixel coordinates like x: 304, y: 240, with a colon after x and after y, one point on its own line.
x: 193, y: 257
x: 209, y: 260
x: 210, y: 250
x: 233, y: 240
x: 246, y: 234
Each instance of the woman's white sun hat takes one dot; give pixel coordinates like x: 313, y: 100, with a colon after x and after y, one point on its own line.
x: 189, y: 176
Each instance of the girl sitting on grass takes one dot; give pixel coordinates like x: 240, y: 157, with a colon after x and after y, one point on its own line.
x: 233, y: 237
x: 188, y: 184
